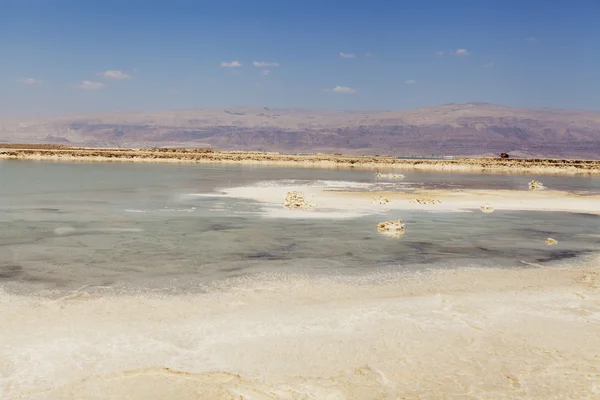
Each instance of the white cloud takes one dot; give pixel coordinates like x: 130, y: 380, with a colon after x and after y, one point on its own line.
x: 369, y: 55
x: 90, y: 85
x: 266, y: 72
x: 343, y: 89
x: 29, y: 81
x: 489, y: 65
x: 112, y: 74
x: 531, y: 39
x: 462, y: 52
x: 265, y: 64
x: 410, y: 82
x: 347, y: 55
x: 232, y: 64
x: 439, y: 53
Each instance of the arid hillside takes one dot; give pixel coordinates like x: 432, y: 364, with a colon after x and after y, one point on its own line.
x: 454, y: 129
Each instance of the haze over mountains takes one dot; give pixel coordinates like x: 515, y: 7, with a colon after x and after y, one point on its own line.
x: 453, y: 129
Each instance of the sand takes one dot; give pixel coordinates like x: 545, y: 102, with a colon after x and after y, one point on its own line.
x: 457, y: 334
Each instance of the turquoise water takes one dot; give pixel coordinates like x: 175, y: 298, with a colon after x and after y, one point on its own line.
x: 132, y: 226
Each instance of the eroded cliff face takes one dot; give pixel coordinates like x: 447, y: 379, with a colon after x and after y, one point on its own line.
x: 464, y: 129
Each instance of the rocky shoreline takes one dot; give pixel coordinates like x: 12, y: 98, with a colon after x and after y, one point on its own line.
x: 208, y: 155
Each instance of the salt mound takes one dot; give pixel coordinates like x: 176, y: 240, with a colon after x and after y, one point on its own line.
x: 380, y: 200
x: 295, y: 200
x: 391, y: 176
x: 486, y: 208
x: 551, y: 242
x: 424, y: 201
x: 536, y: 185
x: 391, y: 228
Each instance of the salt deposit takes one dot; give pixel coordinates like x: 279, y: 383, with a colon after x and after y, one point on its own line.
x: 294, y: 200
x: 388, y: 175
x: 391, y: 228
x: 380, y: 200
x: 486, y: 208
x: 424, y: 201
x: 536, y: 185
x: 527, y: 333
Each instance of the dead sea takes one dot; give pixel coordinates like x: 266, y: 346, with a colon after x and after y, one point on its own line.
x: 147, y: 281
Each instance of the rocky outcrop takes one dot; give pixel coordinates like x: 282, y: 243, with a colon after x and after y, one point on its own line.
x: 295, y: 200
x: 393, y: 228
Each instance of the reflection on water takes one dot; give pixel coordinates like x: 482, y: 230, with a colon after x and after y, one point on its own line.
x: 130, y: 225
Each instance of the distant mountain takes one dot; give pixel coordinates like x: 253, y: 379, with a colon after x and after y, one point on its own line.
x: 451, y: 129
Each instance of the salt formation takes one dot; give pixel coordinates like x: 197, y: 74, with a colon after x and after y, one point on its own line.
x: 551, y: 242
x: 486, y: 208
x: 391, y: 228
x: 380, y: 200
x: 536, y: 185
x: 424, y: 201
x: 391, y: 176
x: 296, y: 200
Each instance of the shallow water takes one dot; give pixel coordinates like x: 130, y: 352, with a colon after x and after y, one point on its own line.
x: 167, y: 227
x: 112, y: 287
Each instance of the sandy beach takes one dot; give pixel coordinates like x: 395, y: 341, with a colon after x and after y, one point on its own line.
x: 210, y: 156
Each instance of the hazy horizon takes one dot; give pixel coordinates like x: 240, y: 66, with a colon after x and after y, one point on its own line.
x: 314, y: 109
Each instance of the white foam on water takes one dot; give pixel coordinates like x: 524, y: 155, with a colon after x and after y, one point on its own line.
x: 209, y: 195
x: 280, y: 212
x: 69, y: 230
x: 315, y: 184
x: 64, y: 230
x: 453, y: 334
x: 166, y: 209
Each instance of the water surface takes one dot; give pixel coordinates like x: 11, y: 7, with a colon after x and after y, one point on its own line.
x: 66, y: 225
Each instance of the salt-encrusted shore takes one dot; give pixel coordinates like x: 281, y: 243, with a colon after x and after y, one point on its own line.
x: 210, y: 156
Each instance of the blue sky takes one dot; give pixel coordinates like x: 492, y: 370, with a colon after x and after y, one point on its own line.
x: 82, y: 56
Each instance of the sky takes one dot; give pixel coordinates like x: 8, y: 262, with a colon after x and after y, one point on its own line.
x: 84, y: 56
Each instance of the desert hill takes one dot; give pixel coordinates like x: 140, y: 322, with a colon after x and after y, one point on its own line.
x: 451, y: 129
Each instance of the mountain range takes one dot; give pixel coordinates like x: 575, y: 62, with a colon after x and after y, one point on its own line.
x: 470, y: 129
